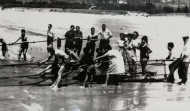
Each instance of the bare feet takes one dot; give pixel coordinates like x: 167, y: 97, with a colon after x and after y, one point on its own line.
x: 55, y: 88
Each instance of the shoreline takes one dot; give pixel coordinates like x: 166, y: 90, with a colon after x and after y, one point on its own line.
x: 97, y: 12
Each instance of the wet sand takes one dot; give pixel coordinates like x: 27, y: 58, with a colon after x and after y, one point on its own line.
x: 126, y: 97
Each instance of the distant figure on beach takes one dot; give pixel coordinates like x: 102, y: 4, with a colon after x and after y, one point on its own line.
x: 91, y: 43
x: 78, y: 40
x: 182, y: 63
x: 170, y: 48
x: 105, y: 35
x: 4, y: 48
x: 144, y: 53
x: 50, y: 35
x: 70, y: 35
x: 24, y: 45
x: 64, y: 65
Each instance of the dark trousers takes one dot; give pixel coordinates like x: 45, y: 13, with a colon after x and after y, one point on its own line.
x: 104, y: 43
x: 78, y: 46
x: 183, y: 71
x: 144, y: 62
x: 172, y: 67
x: 91, y: 47
x: 69, y: 45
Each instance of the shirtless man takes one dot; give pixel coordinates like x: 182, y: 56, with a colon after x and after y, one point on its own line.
x: 50, y: 35
x: 65, y: 59
x: 24, y: 45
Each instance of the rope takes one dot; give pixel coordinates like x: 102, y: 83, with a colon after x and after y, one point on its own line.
x: 158, y: 60
x: 46, y: 41
x: 28, y: 64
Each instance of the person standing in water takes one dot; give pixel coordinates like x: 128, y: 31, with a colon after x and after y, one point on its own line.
x: 181, y: 63
x: 78, y: 40
x: 70, y: 42
x: 170, y: 48
x: 4, y: 48
x: 50, y: 35
x: 24, y: 45
x: 144, y: 53
x: 91, y: 44
x: 120, y: 43
x: 65, y: 59
x: 105, y: 35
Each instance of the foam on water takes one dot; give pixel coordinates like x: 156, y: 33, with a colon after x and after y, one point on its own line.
x: 32, y: 107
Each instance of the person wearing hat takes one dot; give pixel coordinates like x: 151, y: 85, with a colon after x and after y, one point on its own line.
x: 181, y: 63
x: 185, y: 58
x: 65, y: 60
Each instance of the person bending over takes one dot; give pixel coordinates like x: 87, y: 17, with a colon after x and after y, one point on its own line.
x: 116, y: 65
x: 59, y: 55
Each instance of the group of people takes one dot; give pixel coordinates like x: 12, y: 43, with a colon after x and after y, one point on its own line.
x: 131, y: 50
x: 107, y: 58
x: 181, y: 63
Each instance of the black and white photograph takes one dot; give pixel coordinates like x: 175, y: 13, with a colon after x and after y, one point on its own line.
x: 94, y: 55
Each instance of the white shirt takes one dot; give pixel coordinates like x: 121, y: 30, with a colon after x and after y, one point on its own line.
x: 120, y: 43
x: 104, y: 34
x: 116, y: 65
x: 186, y: 52
x: 91, y: 36
x: 136, y: 42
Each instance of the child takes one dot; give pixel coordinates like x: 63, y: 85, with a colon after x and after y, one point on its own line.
x: 170, y: 47
x: 144, y: 53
